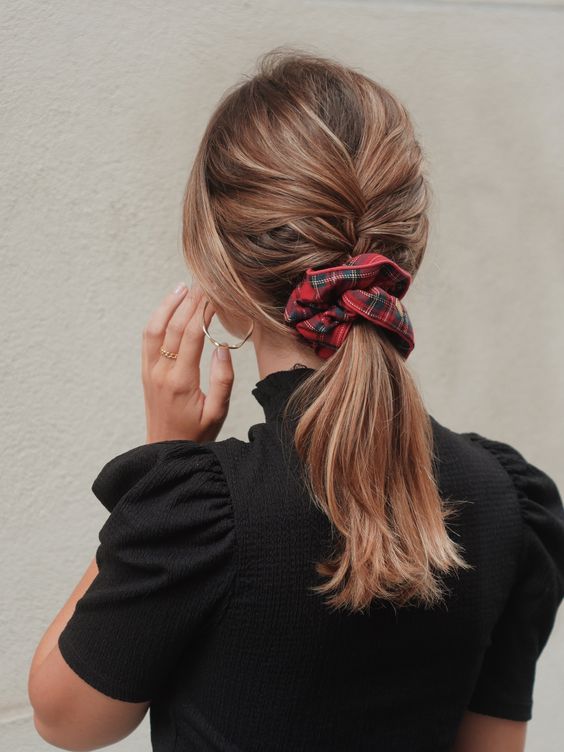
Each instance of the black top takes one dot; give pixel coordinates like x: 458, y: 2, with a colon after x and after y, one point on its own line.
x: 203, y: 605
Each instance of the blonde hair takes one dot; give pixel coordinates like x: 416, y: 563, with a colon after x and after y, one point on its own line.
x: 300, y: 165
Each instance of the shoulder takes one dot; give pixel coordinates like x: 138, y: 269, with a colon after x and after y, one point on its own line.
x: 533, y: 486
x: 506, y: 683
x: 542, y: 514
x: 470, y: 459
x: 165, y: 498
x: 164, y: 466
x: 167, y: 564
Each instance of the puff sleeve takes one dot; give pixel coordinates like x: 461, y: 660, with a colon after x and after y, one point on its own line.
x: 165, y: 564
x: 505, y: 684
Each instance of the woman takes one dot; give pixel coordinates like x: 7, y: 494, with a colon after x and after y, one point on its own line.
x: 355, y: 576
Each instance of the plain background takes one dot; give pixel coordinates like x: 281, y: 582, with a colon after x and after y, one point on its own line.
x: 103, y: 107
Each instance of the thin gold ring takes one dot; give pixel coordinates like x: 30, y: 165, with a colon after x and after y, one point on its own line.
x: 168, y: 354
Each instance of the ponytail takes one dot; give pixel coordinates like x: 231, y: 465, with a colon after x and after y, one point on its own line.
x: 301, y: 165
x: 366, y: 446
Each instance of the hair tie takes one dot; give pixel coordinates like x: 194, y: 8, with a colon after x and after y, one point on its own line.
x: 324, y: 304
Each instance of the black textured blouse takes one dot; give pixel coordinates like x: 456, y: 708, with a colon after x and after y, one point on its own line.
x: 203, y: 601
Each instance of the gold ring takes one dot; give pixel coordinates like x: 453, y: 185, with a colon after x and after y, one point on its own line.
x: 168, y: 354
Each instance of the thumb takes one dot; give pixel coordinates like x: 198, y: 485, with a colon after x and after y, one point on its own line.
x: 221, y: 381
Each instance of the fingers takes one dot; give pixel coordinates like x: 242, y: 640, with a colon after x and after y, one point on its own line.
x: 176, y: 326
x: 191, y: 342
x: 155, y: 330
x: 180, y: 318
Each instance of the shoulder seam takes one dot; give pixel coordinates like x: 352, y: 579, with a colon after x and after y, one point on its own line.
x: 235, y: 576
x: 485, y: 444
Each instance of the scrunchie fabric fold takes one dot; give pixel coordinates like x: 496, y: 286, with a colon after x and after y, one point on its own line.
x: 323, y: 306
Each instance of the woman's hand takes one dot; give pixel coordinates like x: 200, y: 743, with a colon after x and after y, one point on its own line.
x: 175, y: 406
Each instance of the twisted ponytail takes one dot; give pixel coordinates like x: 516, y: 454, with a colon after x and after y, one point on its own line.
x: 302, y: 165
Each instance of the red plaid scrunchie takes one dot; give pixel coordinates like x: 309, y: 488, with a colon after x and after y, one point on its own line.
x: 324, y: 304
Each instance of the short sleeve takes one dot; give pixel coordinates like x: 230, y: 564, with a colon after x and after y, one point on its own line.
x: 506, y: 681
x: 166, y: 565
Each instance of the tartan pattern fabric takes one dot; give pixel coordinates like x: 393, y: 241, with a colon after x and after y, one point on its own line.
x: 323, y: 306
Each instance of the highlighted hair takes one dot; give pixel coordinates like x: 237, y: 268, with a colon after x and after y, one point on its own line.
x: 300, y: 165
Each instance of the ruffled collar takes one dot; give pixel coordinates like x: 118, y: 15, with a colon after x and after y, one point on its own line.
x: 273, y: 391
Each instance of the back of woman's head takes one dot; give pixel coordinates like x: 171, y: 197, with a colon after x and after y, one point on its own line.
x: 301, y: 166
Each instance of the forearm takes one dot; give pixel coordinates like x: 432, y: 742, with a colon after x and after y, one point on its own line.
x: 51, y: 636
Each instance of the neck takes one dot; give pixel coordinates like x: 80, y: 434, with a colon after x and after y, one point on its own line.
x: 272, y: 356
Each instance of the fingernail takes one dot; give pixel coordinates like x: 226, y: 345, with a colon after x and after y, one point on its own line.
x: 179, y: 288
x: 223, y: 353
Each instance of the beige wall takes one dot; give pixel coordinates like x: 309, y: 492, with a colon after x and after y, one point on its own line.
x: 104, y: 104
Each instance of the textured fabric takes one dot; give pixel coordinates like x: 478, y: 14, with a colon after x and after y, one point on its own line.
x: 204, y: 606
x: 507, y: 675
x: 165, y: 565
x: 323, y: 306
